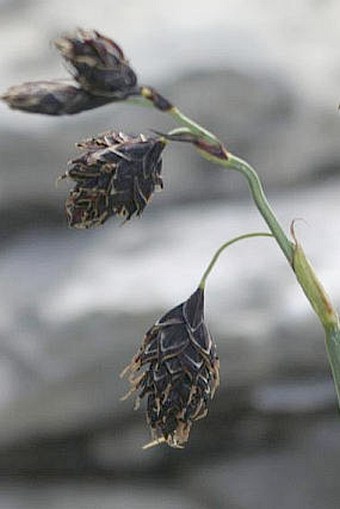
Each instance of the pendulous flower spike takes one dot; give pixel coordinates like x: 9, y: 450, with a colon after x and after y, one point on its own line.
x: 51, y: 98
x: 177, y: 369
x: 98, y: 64
x: 116, y: 175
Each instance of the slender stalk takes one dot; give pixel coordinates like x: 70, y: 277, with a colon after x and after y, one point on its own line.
x: 235, y: 163
x: 145, y: 100
x: 139, y: 100
x: 261, y: 202
x: 333, y: 351
x: 195, y: 128
x: 223, y: 247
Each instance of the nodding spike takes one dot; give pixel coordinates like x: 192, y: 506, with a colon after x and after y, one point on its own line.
x: 179, y: 374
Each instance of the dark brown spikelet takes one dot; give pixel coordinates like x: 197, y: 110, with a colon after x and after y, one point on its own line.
x: 51, y: 98
x: 116, y: 175
x: 98, y: 64
x: 181, y: 371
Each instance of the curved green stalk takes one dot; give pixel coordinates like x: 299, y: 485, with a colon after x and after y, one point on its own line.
x: 235, y: 163
x: 261, y: 202
x: 223, y: 247
x: 195, y: 128
x: 145, y: 99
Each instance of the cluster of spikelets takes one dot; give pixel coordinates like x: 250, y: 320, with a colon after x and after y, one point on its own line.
x: 176, y: 369
x: 117, y: 174
x: 100, y: 73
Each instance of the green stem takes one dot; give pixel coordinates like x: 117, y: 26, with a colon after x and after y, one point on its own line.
x: 223, y: 247
x: 253, y: 180
x: 333, y: 351
x: 195, y: 128
x: 261, y: 202
x: 138, y: 100
x: 177, y: 115
x: 235, y: 163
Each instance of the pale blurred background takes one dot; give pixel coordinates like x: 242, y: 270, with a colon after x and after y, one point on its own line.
x: 265, y: 76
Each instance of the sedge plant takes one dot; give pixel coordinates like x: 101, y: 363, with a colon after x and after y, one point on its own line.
x: 176, y: 367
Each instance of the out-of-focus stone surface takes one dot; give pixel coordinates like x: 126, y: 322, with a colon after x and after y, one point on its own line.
x: 301, y: 474
x: 90, y: 495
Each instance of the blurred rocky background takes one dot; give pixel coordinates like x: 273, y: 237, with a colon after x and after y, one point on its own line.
x: 264, y: 75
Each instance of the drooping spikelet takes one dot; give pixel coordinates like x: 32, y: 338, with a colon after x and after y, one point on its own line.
x: 177, y: 370
x: 98, y: 63
x: 58, y: 97
x: 101, y: 75
x: 116, y: 175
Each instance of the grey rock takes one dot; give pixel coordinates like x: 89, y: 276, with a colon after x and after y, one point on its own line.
x: 91, y: 495
x: 302, y: 475
x: 262, y: 118
x: 295, y: 397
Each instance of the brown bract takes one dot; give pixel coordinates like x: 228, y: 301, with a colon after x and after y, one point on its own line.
x: 97, y: 63
x: 116, y: 175
x: 177, y: 370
